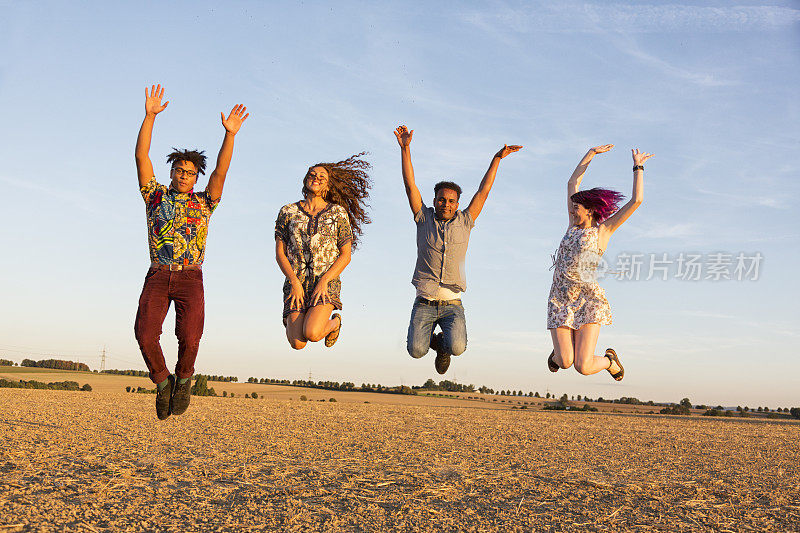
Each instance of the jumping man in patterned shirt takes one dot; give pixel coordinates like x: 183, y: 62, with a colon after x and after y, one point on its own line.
x: 177, y: 226
x: 442, y: 238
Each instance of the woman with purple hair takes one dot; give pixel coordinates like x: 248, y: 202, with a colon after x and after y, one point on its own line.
x: 577, y: 305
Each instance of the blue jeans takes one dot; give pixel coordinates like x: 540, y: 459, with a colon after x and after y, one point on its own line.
x: 425, y: 317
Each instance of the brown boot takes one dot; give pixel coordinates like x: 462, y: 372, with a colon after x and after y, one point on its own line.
x: 181, y: 397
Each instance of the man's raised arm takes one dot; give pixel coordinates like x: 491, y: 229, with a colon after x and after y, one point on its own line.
x: 231, y: 124
x: 404, y: 140
x: 476, y: 205
x: 152, y: 107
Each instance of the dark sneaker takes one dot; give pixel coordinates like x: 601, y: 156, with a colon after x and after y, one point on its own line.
x: 436, y: 342
x: 163, y: 399
x: 442, y: 362
x: 181, y: 397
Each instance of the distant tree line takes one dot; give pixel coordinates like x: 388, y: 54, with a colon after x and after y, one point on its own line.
x: 559, y: 406
x: 450, y: 386
x: 510, y: 392
x: 226, y: 379
x: 57, y: 364
x: 134, y: 373
x: 33, y: 384
x: 7, y: 362
x: 563, y: 405
x: 335, y: 385
x: 269, y: 381
x: 633, y: 401
x: 200, y: 387
x: 146, y: 374
x: 684, y: 407
x: 141, y: 390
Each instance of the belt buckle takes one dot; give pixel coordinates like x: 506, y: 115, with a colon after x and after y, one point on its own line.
x: 173, y: 267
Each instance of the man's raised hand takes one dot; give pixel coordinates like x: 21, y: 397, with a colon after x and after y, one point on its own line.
x: 506, y: 149
x: 152, y: 100
x: 602, y: 149
x: 235, y: 118
x: 403, y: 136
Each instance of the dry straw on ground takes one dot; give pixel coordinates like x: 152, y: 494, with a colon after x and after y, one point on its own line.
x: 102, y: 462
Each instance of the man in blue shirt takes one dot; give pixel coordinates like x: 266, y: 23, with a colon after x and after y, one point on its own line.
x: 439, y: 275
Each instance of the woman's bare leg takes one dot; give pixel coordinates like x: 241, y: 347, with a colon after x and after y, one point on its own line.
x: 564, y: 346
x: 318, y: 322
x: 586, y: 362
x: 294, y: 330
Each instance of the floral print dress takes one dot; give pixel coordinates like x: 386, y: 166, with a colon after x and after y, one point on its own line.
x: 312, y: 244
x: 576, y: 299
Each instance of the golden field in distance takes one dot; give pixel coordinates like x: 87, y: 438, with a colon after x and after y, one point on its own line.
x: 115, y: 383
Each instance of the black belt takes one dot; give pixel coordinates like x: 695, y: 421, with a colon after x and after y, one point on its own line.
x: 425, y: 301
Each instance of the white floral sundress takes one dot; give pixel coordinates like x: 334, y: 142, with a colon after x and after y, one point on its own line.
x: 576, y: 299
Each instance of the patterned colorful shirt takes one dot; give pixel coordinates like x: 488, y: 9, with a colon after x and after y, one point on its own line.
x: 177, y: 224
x: 312, y: 242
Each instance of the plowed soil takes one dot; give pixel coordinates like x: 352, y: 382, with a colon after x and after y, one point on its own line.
x: 101, y: 461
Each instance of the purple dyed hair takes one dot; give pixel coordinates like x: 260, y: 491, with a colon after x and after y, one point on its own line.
x: 601, y: 202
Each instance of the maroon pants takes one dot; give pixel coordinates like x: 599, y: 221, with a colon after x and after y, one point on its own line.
x: 185, y: 288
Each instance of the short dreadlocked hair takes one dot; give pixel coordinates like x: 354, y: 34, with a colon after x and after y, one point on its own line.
x: 192, y: 156
x: 348, y: 186
x: 447, y: 185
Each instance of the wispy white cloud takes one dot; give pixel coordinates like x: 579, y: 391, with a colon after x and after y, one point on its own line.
x: 665, y: 231
x: 776, y: 328
x: 619, y: 22
x: 706, y: 314
x: 599, y: 18
x: 748, y: 199
x: 628, y: 46
x: 510, y: 341
x: 77, y: 199
x: 756, y: 237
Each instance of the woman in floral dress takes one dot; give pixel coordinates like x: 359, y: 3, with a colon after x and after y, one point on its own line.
x: 313, y: 241
x: 577, y: 305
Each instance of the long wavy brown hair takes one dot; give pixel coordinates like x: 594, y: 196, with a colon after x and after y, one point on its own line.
x: 348, y: 186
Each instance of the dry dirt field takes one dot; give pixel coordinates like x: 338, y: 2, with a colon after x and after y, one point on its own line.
x: 100, y: 461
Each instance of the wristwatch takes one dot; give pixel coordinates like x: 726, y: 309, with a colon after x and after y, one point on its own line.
x: 638, y: 167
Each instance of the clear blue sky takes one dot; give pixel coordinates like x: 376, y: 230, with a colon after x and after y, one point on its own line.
x: 710, y: 88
